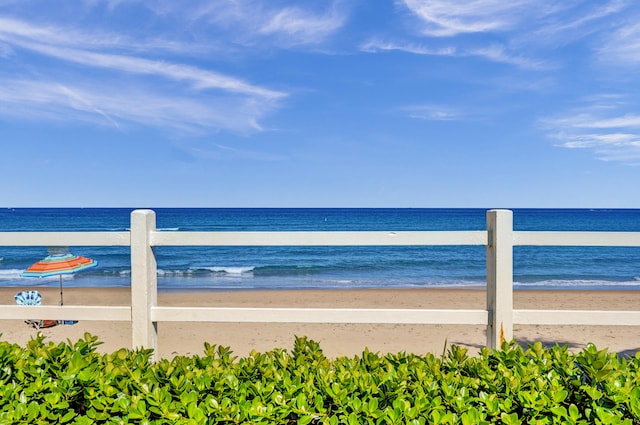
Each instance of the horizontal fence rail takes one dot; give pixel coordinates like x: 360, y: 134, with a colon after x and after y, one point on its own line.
x: 65, y: 239
x: 577, y: 238
x: 318, y: 238
x: 116, y: 313
x: 498, y: 317
x: 576, y: 317
x: 319, y: 315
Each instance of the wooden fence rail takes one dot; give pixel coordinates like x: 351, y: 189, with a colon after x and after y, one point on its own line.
x: 499, y: 239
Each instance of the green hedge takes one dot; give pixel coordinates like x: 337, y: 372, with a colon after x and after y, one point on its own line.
x: 46, y: 383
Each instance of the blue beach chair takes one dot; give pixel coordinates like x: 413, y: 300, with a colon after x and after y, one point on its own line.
x: 33, y: 298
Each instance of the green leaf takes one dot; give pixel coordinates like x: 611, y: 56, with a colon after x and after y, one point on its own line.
x: 305, y: 419
x: 634, y: 402
x: 67, y: 417
x: 560, y: 411
x: 510, y: 419
x: 574, y: 413
x: 559, y: 396
x: 33, y: 411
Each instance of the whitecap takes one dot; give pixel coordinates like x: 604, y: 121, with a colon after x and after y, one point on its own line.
x: 11, y: 274
x: 231, y: 270
x: 577, y: 283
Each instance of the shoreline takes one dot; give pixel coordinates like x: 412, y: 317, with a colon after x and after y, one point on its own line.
x: 180, y: 338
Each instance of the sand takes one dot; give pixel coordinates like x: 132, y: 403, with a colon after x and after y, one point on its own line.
x: 180, y: 338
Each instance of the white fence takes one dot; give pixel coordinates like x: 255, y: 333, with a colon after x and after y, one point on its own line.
x: 499, y: 315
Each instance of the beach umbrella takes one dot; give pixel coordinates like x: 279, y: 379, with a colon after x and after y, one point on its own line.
x: 59, y: 264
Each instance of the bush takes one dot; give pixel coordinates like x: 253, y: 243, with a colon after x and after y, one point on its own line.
x: 46, y: 383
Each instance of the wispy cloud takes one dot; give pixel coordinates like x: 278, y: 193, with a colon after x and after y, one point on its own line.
x: 620, y: 147
x: 374, y: 46
x: 184, y: 96
x: 433, y: 112
x: 301, y: 27
x: 567, y: 21
x: 610, y: 135
x: 39, y: 40
x: 514, y: 32
x: 121, y: 106
x: 589, y: 121
x: 548, y: 18
x: 499, y: 53
x: 622, y: 46
x: 199, y: 78
x: 495, y: 53
x: 264, y: 22
x: 442, y: 18
x: 16, y: 31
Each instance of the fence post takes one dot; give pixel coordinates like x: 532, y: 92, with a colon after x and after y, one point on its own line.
x: 499, y: 277
x: 144, y: 281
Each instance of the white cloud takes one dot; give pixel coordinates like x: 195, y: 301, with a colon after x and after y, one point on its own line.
x: 611, y: 136
x: 18, y: 31
x: 500, y: 54
x: 40, y: 40
x: 591, y: 140
x: 518, y: 32
x: 591, y: 120
x: 447, y: 18
x: 199, y: 78
x: 433, y: 112
x: 568, y: 21
x: 119, y: 106
x: 373, y: 46
x: 14, y: 31
x: 301, y: 27
x: 260, y: 23
x: 625, y: 121
x: 494, y: 53
x: 622, y: 46
x: 12, y: 27
x: 443, y: 18
x: 182, y: 96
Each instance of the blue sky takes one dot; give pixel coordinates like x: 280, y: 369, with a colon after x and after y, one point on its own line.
x: 345, y: 103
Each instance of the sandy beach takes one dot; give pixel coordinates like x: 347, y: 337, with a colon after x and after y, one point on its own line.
x: 181, y: 338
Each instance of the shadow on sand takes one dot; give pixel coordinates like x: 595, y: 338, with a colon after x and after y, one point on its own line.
x: 526, y: 343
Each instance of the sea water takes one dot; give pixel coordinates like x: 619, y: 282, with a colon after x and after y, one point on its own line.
x: 245, y: 268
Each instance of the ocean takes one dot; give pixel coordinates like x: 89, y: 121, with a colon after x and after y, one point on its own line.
x: 246, y: 268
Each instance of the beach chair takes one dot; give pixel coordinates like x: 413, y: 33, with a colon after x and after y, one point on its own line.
x: 33, y: 298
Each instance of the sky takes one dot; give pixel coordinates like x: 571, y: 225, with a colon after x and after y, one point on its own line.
x: 343, y: 103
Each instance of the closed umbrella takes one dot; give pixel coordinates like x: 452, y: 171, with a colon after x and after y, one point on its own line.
x: 59, y: 264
